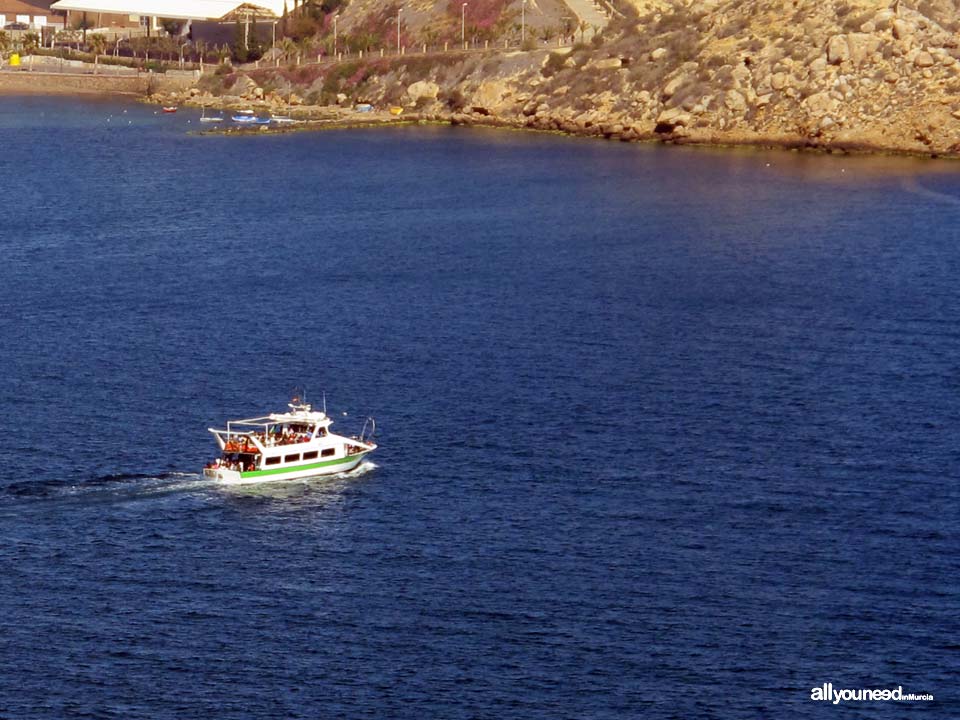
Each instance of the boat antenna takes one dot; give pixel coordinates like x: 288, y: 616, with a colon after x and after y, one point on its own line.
x: 324, y: 402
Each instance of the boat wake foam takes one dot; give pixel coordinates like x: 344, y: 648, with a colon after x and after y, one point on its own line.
x: 134, y: 487
x: 112, y: 487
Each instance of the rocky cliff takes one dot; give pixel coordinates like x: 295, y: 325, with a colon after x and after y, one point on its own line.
x: 846, y: 75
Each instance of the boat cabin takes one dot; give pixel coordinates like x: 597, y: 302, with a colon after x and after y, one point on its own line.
x: 300, y: 438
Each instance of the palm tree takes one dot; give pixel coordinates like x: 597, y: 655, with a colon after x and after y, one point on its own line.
x: 303, y: 47
x: 30, y: 42
x: 98, y: 46
x: 223, y: 52
x: 200, y: 46
x: 583, y: 27
x: 289, y: 48
x: 429, y: 36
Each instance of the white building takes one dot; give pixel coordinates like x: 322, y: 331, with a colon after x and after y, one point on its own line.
x: 172, y: 9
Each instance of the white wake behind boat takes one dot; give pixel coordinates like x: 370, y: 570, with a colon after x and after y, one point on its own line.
x: 286, y: 446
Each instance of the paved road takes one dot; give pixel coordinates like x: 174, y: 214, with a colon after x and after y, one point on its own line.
x: 587, y: 10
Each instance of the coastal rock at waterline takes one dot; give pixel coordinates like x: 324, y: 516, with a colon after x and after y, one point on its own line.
x: 258, y: 93
x: 423, y: 89
x: 295, y: 99
x: 611, y: 128
x: 490, y: 94
x: 673, y: 118
x: 924, y: 60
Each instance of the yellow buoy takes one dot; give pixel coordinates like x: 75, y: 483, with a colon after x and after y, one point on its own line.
x: 15, y: 60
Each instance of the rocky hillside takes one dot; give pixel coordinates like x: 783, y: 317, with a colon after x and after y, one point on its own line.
x: 434, y: 22
x: 848, y: 74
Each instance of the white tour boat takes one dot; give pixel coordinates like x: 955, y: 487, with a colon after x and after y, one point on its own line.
x: 286, y: 446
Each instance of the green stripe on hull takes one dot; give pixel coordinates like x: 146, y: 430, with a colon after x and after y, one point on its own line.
x: 300, y: 468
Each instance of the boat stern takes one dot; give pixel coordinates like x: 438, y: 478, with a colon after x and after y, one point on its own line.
x: 222, y: 474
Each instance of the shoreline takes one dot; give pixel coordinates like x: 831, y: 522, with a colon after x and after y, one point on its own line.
x: 320, y: 118
x: 344, y: 119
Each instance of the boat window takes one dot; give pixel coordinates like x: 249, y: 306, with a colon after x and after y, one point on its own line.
x: 271, y: 460
x: 328, y: 452
x: 291, y: 458
x: 310, y: 455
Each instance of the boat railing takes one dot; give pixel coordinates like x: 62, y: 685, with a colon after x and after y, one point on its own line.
x: 372, y: 424
x: 265, y: 439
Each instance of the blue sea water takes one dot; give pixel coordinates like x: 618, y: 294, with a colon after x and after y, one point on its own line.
x: 665, y: 433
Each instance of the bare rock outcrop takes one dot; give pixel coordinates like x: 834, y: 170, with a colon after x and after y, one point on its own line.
x: 851, y: 74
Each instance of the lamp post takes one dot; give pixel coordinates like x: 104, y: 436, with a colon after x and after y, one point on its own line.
x: 463, y: 25
x: 335, y: 34
x: 523, y: 21
x: 398, y: 29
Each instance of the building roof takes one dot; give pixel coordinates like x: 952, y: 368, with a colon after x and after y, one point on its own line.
x: 24, y: 7
x: 179, y: 9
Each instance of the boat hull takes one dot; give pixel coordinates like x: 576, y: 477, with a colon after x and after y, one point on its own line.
x: 296, y: 472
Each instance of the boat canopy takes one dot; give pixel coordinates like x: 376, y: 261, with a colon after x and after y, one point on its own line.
x: 299, y: 415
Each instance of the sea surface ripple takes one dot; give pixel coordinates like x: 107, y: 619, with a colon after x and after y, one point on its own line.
x: 665, y: 433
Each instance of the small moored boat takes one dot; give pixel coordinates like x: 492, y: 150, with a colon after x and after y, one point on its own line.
x: 244, y: 117
x: 169, y: 108
x: 286, y: 446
